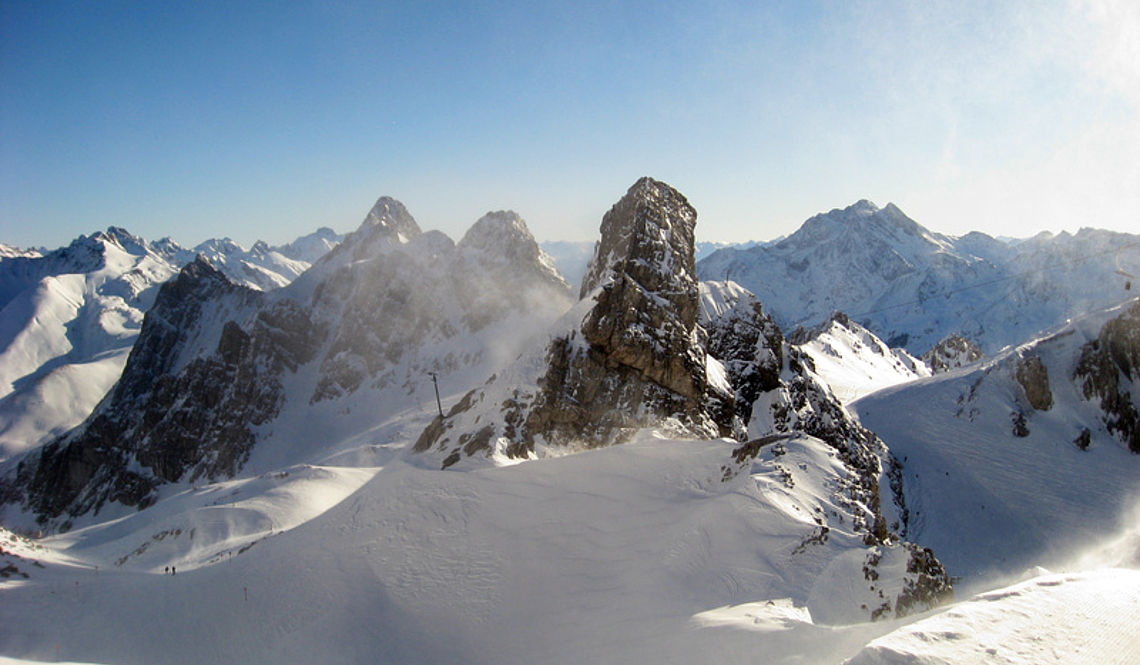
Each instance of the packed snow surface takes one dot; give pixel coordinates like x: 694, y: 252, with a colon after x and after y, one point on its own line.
x: 1072, y: 619
x: 992, y: 503
x: 638, y: 553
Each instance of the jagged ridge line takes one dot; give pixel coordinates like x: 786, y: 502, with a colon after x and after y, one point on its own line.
x: 1064, y: 265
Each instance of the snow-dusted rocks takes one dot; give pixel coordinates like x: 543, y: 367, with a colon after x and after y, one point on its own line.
x: 744, y: 340
x: 912, y: 287
x: 220, y: 368
x: 1019, y: 459
x: 632, y: 356
x: 1109, y: 370
x: 951, y: 352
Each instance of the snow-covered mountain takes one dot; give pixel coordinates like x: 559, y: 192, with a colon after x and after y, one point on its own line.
x: 10, y: 251
x: 67, y: 321
x: 1026, y: 458
x: 912, y: 287
x: 310, y: 248
x: 223, y: 376
x: 69, y: 317
x: 853, y: 361
x: 653, y: 474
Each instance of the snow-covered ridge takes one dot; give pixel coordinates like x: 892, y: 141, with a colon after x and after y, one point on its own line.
x: 853, y: 361
x: 1015, y: 461
x: 913, y: 287
x: 69, y: 317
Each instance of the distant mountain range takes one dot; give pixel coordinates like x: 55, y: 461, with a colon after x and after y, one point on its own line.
x: 69, y: 317
x: 912, y: 287
x: 398, y: 447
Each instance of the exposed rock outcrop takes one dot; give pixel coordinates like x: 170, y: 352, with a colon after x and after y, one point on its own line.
x: 951, y: 352
x: 744, y: 339
x: 216, y: 363
x: 635, y: 358
x: 1031, y: 374
x: 1108, y: 370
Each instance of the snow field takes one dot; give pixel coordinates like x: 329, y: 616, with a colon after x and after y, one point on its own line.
x: 991, y: 504
x: 611, y: 556
x: 1085, y: 618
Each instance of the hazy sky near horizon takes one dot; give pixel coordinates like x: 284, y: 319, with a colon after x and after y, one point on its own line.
x: 265, y: 120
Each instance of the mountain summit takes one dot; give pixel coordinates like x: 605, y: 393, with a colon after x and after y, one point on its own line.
x: 630, y: 355
x: 223, y: 376
x: 913, y: 287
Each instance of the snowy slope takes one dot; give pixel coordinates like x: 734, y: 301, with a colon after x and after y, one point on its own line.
x: 68, y: 321
x: 912, y: 287
x: 616, y: 555
x: 70, y: 316
x: 1086, y: 618
x: 853, y: 361
x: 993, y: 470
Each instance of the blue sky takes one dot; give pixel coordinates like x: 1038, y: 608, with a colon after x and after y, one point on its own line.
x: 266, y: 120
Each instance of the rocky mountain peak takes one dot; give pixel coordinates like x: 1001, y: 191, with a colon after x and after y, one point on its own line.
x: 648, y: 236
x: 635, y: 360
x: 502, y: 233
x: 387, y: 225
x: 391, y: 216
x: 125, y: 239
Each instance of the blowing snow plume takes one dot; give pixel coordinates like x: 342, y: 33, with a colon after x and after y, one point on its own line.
x: 630, y: 355
x: 226, y: 380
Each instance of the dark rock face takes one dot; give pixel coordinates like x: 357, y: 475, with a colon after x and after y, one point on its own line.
x: 644, y: 352
x: 1031, y: 374
x: 636, y: 360
x: 162, y: 422
x: 749, y: 345
x: 646, y: 311
x: 953, y: 351
x: 1108, y: 367
x: 927, y: 585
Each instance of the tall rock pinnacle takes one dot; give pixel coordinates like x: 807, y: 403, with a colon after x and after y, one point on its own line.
x: 635, y: 360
